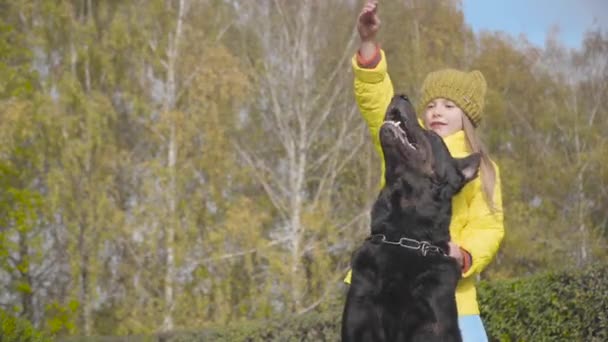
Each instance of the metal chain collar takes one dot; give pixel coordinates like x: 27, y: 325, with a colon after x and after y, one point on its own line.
x: 424, y: 247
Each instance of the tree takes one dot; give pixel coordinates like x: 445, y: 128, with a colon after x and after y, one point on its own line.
x: 24, y: 262
x: 312, y: 139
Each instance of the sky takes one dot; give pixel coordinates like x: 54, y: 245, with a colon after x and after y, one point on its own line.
x: 536, y: 18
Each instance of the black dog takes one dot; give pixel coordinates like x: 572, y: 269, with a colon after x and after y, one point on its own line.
x: 403, y: 283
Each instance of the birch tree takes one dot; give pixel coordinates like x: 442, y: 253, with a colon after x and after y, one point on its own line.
x: 28, y: 261
x: 189, y: 175
x: 579, y: 136
x: 538, y: 122
x: 168, y: 105
x: 315, y: 135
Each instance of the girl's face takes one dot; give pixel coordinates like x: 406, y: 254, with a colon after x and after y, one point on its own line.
x: 443, y: 117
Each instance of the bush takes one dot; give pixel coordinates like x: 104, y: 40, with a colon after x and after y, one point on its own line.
x: 132, y: 338
x: 550, y: 307
x: 18, y: 330
x: 563, y: 306
x: 313, y: 326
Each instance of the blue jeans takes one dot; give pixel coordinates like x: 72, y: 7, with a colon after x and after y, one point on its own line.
x: 472, y: 329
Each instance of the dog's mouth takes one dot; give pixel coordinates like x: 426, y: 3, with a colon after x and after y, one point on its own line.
x: 400, y: 131
x: 400, y: 126
x: 403, y: 140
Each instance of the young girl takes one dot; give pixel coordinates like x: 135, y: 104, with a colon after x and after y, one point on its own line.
x: 451, y: 104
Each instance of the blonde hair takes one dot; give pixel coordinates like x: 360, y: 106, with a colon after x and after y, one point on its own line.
x: 487, y: 173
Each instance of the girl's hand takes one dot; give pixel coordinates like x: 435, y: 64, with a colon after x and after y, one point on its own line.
x: 368, y: 22
x: 456, y: 253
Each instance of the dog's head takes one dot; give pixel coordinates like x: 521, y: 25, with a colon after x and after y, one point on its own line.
x: 421, y: 176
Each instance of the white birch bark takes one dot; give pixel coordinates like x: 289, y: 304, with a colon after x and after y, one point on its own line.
x: 172, y: 150
x: 300, y: 108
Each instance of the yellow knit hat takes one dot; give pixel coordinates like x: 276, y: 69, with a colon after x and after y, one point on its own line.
x: 466, y: 89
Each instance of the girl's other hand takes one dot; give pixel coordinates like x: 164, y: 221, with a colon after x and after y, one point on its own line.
x: 456, y: 253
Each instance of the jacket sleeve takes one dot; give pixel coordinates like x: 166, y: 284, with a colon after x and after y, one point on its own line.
x: 482, y: 235
x: 373, y: 93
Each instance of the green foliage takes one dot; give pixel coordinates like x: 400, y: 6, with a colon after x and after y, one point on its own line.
x: 61, y: 318
x: 18, y: 330
x: 558, y: 306
x: 419, y: 37
x: 16, y: 78
x: 131, y: 338
x: 254, y: 102
x: 311, y: 327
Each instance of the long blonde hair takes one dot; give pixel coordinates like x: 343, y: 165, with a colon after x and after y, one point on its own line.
x: 486, y: 168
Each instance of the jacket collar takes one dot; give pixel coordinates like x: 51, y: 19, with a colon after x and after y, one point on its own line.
x: 457, y: 144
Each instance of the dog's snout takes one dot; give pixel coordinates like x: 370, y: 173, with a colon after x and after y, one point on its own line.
x: 401, y: 109
x: 395, y: 113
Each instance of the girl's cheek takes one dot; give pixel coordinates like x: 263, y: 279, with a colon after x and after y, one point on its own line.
x: 425, y: 119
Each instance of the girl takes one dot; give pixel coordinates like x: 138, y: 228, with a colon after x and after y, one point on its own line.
x: 451, y: 104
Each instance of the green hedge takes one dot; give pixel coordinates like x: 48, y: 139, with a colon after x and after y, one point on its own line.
x: 305, y: 328
x: 18, y: 330
x: 551, y: 307
x: 563, y: 306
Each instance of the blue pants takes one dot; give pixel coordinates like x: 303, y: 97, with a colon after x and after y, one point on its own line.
x: 472, y: 329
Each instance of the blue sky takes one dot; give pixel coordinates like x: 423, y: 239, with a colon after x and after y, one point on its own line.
x: 535, y: 18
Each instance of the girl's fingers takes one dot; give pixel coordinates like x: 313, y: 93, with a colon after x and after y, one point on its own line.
x: 374, y: 5
x: 370, y: 8
x: 365, y: 13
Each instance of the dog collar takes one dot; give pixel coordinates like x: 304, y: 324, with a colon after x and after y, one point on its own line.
x: 424, y: 247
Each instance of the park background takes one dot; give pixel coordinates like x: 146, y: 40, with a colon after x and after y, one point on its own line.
x: 190, y: 165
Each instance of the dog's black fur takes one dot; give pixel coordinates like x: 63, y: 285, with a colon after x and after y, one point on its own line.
x: 397, y: 294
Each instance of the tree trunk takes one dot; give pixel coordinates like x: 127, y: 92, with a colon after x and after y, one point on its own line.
x: 27, y: 297
x: 169, y: 233
x: 83, y: 294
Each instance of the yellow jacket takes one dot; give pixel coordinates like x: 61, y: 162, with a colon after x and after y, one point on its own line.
x: 474, y: 226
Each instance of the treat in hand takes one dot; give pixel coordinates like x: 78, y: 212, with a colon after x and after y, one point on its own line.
x: 369, y: 22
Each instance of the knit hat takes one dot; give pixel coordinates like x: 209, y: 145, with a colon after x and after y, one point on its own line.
x: 466, y: 89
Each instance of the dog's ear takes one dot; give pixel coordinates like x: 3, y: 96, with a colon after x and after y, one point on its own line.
x: 469, y: 166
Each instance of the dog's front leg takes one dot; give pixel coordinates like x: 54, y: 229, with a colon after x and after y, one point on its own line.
x: 360, y: 321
